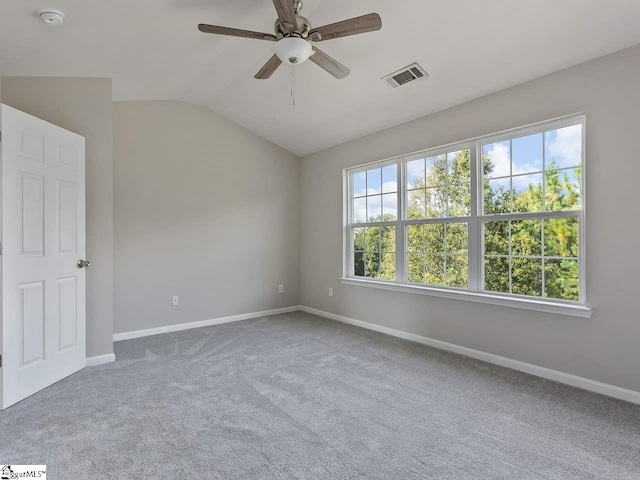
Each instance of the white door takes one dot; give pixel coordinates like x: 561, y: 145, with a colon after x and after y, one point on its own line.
x: 43, y: 238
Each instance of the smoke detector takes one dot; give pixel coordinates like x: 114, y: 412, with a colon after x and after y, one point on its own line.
x: 52, y: 16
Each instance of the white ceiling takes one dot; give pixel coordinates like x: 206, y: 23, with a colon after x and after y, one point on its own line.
x: 470, y: 48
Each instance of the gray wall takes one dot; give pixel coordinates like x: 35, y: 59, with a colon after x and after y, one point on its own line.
x: 204, y: 209
x: 84, y: 106
x: 605, y: 347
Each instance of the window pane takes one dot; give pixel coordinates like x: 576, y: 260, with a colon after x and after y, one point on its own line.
x: 372, y: 238
x: 526, y: 237
x: 563, y: 147
x: 374, y: 208
x: 388, y: 239
x: 561, y: 237
x: 415, y: 174
x: 436, y: 202
x: 436, y: 171
x: 496, y: 274
x: 457, y: 271
x: 390, y: 207
x: 415, y: 239
x: 372, y: 267
x: 457, y: 238
x: 434, y: 238
x: 374, y: 181
x: 496, y: 238
x: 459, y: 200
x: 390, y: 179
x: 459, y: 167
x: 526, y: 276
x: 527, y: 193
x: 526, y: 154
x: 388, y: 266
x: 434, y: 270
x: 497, y: 159
x: 360, y: 210
x: 563, y: 190
x: 415, y: 268
x: 416, y: 205
x: 358, y: 264
x: 562, y: 279
x: 358, y: 239
x: 360, y: 184
x: 497, y: 196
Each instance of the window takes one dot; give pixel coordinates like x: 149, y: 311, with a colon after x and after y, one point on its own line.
x: 438, y: 209
x: 499, y: 216
x: 375, y: 204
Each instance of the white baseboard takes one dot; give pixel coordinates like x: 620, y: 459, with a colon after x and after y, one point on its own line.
x: 555, y: 375
x: 203, y: 323
x: 100, y: 359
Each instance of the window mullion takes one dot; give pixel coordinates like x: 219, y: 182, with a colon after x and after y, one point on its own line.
x: 474, y: 225
x: 401, y: 251
x: 348, y: 257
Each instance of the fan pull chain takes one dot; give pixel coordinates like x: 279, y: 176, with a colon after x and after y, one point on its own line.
x: 293, y: 85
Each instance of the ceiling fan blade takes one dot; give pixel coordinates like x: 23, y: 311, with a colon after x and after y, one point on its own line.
x: 354, y: 26
x: 329, y: 64
x: 268, y: 69
x: 286, y: 13
x: 235, y: 32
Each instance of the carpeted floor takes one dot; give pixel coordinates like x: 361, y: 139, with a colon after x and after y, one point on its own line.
x: 296, y: 396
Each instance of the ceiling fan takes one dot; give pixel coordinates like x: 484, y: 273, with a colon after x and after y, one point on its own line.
x: 294, y: 34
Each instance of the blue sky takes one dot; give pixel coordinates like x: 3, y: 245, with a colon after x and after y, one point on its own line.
x: 523, y: 156
x: 380, y: 184
x: 563, y: 146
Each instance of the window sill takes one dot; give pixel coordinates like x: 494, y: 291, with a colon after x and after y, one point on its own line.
x: 522, y: 303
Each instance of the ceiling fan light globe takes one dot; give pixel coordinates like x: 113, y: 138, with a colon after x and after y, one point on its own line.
x: 293, y: 50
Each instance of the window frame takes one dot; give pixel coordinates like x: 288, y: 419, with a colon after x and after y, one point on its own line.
x: 476, y: 220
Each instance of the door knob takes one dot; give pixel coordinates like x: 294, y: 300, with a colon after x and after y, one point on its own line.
x: 83, y: 264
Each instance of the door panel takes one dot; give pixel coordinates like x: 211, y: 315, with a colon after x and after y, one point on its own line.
x: 67, y: 156
x: 67, y: 311
x: 32, y: 322
x: 32, y: 213
x: 31, y: 146
x: 43, y: 237
x: 66, y: 208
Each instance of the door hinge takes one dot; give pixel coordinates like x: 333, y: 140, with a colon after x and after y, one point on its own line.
x: 0, y: 361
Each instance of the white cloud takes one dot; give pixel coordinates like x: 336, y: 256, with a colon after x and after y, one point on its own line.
x: 387, y: 187
x: 501, y: 160
x: 523, y: 182
x: 363, y: 209
x: 566, y: 148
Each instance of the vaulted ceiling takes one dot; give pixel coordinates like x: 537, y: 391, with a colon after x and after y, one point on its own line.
x: 470, y: 48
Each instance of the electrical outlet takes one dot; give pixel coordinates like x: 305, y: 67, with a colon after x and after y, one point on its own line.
x: 331, y: 292
x: 280, y: 288
x: 175, y: 301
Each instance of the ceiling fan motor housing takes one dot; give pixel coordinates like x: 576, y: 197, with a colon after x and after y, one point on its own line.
x: 302, y: 28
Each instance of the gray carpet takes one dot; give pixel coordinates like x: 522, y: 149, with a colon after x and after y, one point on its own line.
x: 296, y: 396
